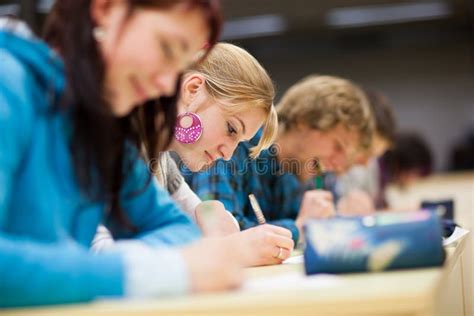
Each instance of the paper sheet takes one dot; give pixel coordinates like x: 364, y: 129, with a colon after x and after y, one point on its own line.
x: 457, y: 235
x: 293, y: 280
x: 294, y: 260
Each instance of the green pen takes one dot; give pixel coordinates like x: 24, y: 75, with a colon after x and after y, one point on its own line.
x: 318, y: 180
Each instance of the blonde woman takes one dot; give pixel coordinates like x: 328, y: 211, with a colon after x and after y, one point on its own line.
x: 224, y: 100
x: 323, y: 122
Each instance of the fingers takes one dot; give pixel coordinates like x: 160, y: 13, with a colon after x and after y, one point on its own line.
x: 278, y: 230
x: 317, y: 204
x: 356, y: 203
x: 278, y: 247
x: 280, y: 241
x: 325, y: 209
x: 318, y: 194
x: 264, y: 243
x: 281, y: 254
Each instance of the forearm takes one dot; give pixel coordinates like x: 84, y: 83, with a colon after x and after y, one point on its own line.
x: 35, y: 273
x: 40, y: 274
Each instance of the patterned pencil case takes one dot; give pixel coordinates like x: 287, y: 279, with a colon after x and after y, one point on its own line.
x: 383, y: 241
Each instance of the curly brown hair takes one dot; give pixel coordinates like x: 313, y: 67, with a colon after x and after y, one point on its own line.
x: 323, y: 102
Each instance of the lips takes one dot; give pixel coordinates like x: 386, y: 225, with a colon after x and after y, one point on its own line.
x: 209, y: 157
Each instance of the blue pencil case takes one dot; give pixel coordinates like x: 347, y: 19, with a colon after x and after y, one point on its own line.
x: 383, y: 241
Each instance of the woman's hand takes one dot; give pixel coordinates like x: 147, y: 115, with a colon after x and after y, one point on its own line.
x: 213, y: 265
x: 356, y: 202
x: 262, y: 245
x: 214, y: 220
x: 315, y: 204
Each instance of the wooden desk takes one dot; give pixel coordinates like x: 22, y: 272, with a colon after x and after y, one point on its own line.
x: 408, y: 292
x: 443, y: 291
x: 459, y: 187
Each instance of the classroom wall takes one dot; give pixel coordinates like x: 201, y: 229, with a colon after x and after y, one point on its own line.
x: 429, y: 82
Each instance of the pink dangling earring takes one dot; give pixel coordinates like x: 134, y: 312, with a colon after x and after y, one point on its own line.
x: 188, y: 128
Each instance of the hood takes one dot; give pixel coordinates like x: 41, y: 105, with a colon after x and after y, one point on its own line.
x: 33, y: 54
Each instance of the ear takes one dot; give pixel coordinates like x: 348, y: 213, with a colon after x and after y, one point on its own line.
x: 192, y: 90
x: 100, y: 12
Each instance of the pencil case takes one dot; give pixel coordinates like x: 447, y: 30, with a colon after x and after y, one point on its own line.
x: 383, y: 241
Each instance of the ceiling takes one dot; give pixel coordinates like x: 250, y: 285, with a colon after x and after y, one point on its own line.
x: 298, y: 16
x: 312, y: 15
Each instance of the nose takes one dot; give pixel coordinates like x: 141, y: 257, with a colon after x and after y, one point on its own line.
x: 166, y: 82
x: 339, y: 162
x: 226, y: 150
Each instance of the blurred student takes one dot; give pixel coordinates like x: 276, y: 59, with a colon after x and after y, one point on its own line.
x: 70, y: 157
x: 323, y: 120
x: 224, y: 100
x: 359, y: 189
x: 409, y: 160
x: 462, y: 152
x: 406, y: 163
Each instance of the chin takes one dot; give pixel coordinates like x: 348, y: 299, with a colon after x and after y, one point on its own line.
x: 121, y: 110
x: 196, y: 167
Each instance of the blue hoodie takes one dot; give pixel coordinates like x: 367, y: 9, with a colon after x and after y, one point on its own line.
x: 46, y: 224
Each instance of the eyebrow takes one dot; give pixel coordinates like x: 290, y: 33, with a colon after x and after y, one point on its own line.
x: 242, y: 123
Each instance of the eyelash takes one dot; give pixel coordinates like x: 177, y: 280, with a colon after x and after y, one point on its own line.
x: 167, y: 52
x: 231, y: 130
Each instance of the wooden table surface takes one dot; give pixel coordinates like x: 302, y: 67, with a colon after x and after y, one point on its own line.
x: 406, y: 292
x: 403, y: 292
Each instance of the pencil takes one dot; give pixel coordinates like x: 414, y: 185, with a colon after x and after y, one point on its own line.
x: 257, y: 210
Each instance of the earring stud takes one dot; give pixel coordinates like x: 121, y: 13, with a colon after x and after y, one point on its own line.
x: 98, y: 33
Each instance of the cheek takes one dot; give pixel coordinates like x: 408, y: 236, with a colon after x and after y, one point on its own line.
x: 323, y: 150
x: 136, y: 52
x: 212, y: 133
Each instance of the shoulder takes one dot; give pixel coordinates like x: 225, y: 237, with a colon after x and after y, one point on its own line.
x: 173, y: 176
x: 17, y: 86
x: 15, y: 77
x: 17, y: 106
x: 30, y: 72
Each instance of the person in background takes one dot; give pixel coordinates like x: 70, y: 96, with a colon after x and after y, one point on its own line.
x: 409, y: 160
x: 323, y: 121
x: 358, y: 190
x: 462, y: 152
x: 70, y: 157
x: 228, y: 96
x: 406, y: 163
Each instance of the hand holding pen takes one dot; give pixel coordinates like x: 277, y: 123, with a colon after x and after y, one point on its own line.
x: 271, y: 235
x: 315, y: 204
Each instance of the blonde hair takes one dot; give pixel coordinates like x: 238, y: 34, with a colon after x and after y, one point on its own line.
x: 322, y: 102
x: 233, y: 75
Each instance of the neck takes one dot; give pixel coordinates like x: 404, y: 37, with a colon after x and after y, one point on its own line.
x: 174, y: 146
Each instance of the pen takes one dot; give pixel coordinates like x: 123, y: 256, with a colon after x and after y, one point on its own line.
x: 318, y: 180
x: 257, y: 210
